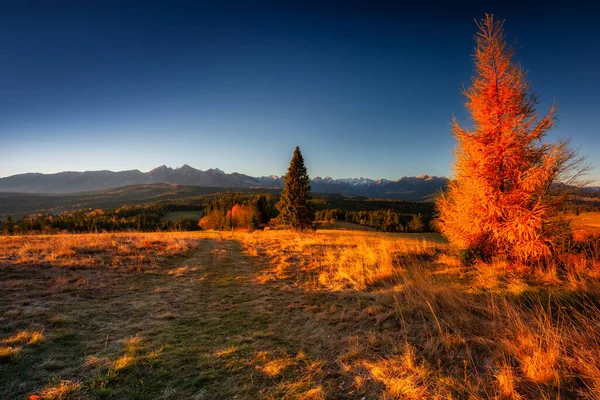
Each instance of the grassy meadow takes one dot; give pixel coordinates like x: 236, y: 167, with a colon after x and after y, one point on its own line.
x: 586, y: 223
x: 175, y: 216
x: 274, y: 315
x: 343, y: 225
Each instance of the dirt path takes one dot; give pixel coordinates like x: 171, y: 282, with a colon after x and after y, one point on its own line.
x: 239, y: 336
x: 233, y: 337
x: 200, y: 326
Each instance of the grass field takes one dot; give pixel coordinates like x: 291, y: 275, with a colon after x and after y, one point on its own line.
x: 272, y: 315
x: 586, y: 223
x: 325, y: 227
x: 175, y: 216
x: 343, y: 225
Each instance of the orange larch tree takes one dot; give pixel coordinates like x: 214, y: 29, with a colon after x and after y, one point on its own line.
x: 503, y: 199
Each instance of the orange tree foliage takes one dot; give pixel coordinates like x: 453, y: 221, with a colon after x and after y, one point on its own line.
x: 242, y: 215
x: 213, y: 220
x: 501, y: 201
x: 242, y: 218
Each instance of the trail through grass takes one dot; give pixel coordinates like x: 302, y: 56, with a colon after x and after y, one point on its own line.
x: 273, y: 315
x: 194, y: 327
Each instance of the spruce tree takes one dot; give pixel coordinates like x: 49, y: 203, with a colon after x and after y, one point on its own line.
x: 294, y: 210
x: 8, y: 225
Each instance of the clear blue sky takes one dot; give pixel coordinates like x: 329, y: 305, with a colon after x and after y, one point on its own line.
x: 364, y: 88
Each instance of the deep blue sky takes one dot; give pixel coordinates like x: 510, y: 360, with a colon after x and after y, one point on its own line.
x: 364, y: 88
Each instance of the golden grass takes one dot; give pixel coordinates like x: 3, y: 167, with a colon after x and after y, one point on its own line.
x: 274, y: 367
x: 338, y: 261
x: 25, y: 337
x: 139, y: 250
x: 278, y: 315
x: 586, y: 223
x: 473, y: 333
x: 123, y: 362
x: 9, y: 353
x: 506, y: 377
x: 60, y: 391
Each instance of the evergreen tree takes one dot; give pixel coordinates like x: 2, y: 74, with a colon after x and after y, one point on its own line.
x: 294, y: 210
x: 501, y: 201
x: 265, y: 208
x: 416, y: 224
x: 254, y: 221
x: 8, y: 225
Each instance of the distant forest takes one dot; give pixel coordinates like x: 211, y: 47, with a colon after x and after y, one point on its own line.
x: 243, y: 210
x: 221, y: 211
x: 127, y: 218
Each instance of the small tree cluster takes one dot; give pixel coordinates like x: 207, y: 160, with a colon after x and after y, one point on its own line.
x: 238, y: 212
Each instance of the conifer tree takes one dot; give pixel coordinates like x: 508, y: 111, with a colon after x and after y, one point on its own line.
x: 501, y: 201
x: 416, y: 224
x: 8, y: 225
x: 294, y: 210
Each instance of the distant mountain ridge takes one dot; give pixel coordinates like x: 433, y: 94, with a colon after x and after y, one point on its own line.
x: 408, y: 188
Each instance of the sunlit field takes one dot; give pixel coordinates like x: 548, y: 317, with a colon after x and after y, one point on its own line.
x: 586, y: 223
x: 272, y: 315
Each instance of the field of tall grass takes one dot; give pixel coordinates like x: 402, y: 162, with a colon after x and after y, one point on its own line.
x: 440, y: 330
x: 336, y: 314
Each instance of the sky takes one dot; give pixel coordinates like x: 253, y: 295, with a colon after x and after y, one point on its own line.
x: 364, y: 88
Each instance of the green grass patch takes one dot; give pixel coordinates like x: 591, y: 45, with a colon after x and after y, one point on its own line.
x: 175, y: 216
x: 344, y: 226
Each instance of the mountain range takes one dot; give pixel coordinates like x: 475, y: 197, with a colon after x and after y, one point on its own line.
x: 408, y: 188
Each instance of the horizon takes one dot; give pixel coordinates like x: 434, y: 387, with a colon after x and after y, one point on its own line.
x: 366, y: 89
x: 226, y: 172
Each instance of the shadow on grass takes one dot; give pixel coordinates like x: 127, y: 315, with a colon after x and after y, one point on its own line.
x: 204, y: 326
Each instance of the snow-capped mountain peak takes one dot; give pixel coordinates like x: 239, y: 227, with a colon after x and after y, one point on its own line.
x: 356, y: 181
x: 216, y: 171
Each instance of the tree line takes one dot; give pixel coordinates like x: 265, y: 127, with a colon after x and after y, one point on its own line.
x: 383, y: 220
x: 144, y: 218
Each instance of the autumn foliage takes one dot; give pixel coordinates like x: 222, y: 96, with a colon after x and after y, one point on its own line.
x: 240, y: 216
x: 503, y: 199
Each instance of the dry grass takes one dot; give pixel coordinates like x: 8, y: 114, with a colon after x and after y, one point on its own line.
x: 25, y: 337
x: 339, y: 261
x: 585, y: 223
x: 274, y: 315
x: 134, y: 251
x: 9, y: 353
x: 441, y: 330
x: 60, y: 391
x: 63, y: 295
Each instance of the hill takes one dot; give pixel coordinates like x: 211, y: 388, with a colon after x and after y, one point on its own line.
x: 16, y: 204
x: 407, y: 188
